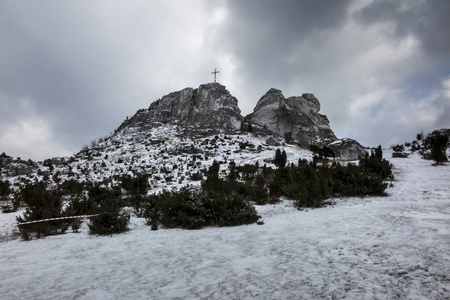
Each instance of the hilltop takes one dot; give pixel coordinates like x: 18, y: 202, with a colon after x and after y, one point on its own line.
x: 182, y: 133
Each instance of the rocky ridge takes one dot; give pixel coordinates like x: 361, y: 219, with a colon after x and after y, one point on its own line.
x: 211, y: 109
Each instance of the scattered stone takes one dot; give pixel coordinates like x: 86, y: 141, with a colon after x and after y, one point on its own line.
x: 400, y: 154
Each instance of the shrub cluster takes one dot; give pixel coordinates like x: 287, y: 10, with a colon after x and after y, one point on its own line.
x: 111, y: 220
x: 322, y: 152
x: 8, y: 205
x: 432, y: 146
x: 227, y: 201
x: 220, y: 203
x: 189, y: 209
x: 45, y: 203
x: 437, y: 143
x: 309, y: 185
x: 42, y: 203
x: 305, y: 183
x: 136, y: 188
x: 5, y: 189
x: 245, y: 182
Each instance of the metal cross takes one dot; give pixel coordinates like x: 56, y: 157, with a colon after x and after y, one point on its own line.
x: 215, y: 72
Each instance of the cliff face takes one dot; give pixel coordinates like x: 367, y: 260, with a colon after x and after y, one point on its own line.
x: 209, y: 109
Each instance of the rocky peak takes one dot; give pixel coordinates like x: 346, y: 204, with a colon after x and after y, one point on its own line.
x: 208, y: 109
x: 270, y: 100
x: 307, y: 102
x: 211, y: 109
x: 297, y: 120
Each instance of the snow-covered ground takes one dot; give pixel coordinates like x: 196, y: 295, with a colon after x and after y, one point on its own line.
x: 395, y: 247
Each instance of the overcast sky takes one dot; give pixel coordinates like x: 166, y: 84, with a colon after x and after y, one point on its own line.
x: 72, y: 71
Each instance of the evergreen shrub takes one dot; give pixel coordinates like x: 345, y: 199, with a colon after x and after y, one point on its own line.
x: 110, y: 221
x: 137, y: 188
x: 42, y: 203
x: 190, y: 209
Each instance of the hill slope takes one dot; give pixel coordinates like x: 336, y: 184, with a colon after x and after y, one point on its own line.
x: 391, y: 247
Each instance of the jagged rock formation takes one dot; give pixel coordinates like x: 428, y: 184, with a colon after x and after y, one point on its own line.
x: 207, y: 110
x: 211, y: 109
x: 298, y: 120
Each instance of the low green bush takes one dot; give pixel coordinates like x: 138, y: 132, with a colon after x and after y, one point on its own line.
x: 42, y: 203
x: 111, y: 219
x: 189, y: 209
x: 108, y: 223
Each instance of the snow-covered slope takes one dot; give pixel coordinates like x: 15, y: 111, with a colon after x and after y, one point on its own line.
x: 163, y: 152
x: 395, y: 247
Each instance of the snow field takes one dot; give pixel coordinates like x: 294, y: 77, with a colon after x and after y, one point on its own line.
x: 395, y: 247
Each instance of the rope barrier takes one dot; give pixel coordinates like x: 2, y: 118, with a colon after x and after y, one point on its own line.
x: 53, y: 219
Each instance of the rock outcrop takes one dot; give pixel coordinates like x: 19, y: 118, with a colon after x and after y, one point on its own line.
x: 347, y: 149
x: 208, y: 109
x: 15, y: 167
x: 211, y: 109
x: 298, y: 120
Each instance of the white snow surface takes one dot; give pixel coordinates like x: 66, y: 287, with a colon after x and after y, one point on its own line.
x: 395, y: 247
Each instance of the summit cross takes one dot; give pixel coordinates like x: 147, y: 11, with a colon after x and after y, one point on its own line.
x: 215, y: 72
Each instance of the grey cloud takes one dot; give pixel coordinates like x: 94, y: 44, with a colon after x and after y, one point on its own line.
x: 84, y: 66
x: 74, y: 66
x: 282, y: 44
x: 55, y: 62
x: 426, y: 20
x: 265, y: 34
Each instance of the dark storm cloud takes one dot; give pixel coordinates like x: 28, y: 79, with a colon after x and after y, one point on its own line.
x: 265, y: 34
x: 50, y: 55
x: 426, y: 20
